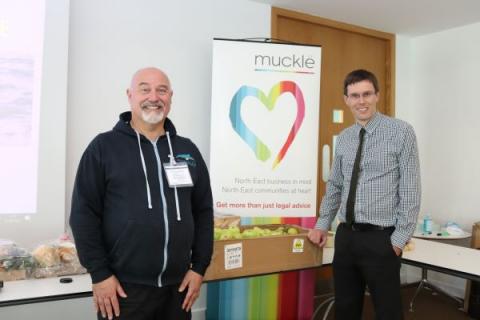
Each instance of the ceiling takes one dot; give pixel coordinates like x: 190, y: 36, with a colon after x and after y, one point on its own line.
x: 405, y: 17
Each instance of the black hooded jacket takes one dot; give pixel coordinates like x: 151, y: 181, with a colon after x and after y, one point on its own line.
x: 124, y: 215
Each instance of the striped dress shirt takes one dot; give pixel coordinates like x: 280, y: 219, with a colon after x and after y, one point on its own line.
x: 388, y: 189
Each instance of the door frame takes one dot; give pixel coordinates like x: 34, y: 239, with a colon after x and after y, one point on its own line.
x: 389, y: 93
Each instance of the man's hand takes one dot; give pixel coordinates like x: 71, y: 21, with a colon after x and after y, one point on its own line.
x: 318, y: 237
x: 193, y: 281
x: 397, y: 250
x: 105, y: 297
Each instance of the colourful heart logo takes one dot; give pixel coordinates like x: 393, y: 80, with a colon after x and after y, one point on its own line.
x: 262, y: 152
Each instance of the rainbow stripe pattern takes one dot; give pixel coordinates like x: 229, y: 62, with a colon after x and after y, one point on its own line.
x: 262, y: 152
x: 284, y: 296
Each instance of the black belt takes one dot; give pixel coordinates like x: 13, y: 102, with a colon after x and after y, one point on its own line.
x: 365, y: 227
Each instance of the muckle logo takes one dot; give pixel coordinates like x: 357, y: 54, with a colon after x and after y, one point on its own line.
x: 262, y: 152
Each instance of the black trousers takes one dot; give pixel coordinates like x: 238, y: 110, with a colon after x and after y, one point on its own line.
x: 151, y: 303
x: 366, y: 259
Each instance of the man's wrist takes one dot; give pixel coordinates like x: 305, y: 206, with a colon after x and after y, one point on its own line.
x: 100, y: 275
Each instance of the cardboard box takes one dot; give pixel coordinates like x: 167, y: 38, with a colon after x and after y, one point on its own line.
x: 225, y: 220
x: 263, y: 255
x: 13, y: 275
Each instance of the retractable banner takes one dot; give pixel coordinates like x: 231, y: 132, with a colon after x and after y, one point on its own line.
x: 264, y: 128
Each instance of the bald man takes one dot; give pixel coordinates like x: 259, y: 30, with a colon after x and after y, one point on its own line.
x: 142, y: 212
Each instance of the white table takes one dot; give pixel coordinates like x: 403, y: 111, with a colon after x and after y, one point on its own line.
x: 455, y: 260
x: 41, y: 290
x: 50, y: 289
x: 432, y: 255
x: 327, y: 257
x: 445, y: 258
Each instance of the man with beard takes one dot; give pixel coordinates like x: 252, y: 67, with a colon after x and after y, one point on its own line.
x: 142, y: 212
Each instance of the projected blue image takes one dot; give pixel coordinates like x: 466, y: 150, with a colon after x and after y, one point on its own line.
x: 16, y: 97
x: 21, y: 58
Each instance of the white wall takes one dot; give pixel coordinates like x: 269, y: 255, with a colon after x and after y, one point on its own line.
x: 445, y: 94
x: 111, y: 39
x: 437, y: 92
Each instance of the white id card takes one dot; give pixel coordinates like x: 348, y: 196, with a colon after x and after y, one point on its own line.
x: 178, y: 175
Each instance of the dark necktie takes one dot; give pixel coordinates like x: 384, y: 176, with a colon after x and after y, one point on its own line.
x: 354, y: 181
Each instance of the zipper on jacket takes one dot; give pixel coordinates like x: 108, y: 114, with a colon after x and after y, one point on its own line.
x: 172, y: 162
x: 165, y: 214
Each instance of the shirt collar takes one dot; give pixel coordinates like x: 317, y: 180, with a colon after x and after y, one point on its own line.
x: 372, y: 124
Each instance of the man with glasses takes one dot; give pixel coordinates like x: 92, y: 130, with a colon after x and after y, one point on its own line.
x: 374, y: 187
x: 142, y: 212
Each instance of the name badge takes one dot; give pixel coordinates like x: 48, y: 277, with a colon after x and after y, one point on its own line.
x: 178, y: 175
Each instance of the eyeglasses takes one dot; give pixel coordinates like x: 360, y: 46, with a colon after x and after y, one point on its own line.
x: 364, y: 95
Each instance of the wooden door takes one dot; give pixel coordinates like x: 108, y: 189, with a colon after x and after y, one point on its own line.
x: 344, y: 48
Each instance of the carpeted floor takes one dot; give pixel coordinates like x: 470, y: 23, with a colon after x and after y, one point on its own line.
x: 427, y: 306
